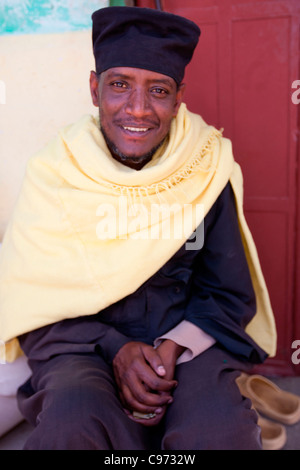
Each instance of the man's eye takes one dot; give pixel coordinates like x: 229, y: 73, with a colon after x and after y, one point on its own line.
x: 119, y: 84
x: 159, y: 91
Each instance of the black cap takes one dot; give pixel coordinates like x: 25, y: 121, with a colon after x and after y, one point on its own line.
x: 143, y: 38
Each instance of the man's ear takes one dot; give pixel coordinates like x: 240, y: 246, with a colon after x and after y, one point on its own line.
x: 179, y: 98
x: 94, y: 87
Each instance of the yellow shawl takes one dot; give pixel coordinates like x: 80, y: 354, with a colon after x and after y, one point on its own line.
x: 58, y: 261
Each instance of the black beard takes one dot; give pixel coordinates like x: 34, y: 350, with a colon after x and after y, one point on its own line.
x: 135, y: 162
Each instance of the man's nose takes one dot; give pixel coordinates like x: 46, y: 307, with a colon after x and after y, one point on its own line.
x: 138, y: 104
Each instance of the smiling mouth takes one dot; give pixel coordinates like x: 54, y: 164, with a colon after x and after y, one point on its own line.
x: 135, y: 161
x: 136, y: 129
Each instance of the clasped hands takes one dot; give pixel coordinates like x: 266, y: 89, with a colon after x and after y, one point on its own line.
x: 145, y: 378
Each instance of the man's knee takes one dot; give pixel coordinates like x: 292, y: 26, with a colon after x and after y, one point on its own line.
x: 209, y: 412
x: 217, y: 429
x: 68, y: 402
x: 71, y: 418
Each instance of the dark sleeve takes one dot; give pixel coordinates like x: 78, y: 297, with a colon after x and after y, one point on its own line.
x: 222, y: 298
x: 73, y: 336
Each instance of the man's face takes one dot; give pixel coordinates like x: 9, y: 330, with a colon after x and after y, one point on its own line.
x: 136, y: 107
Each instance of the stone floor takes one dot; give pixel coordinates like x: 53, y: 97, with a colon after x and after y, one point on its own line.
x: 15, y: 439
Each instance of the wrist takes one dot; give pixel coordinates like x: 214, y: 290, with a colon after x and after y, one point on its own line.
x: 172, y: 349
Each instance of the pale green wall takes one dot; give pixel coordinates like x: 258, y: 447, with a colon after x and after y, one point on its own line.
x: 47, y: 16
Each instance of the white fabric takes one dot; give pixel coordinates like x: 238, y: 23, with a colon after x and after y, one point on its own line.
x: 10, y: 415
x: 12, y: 375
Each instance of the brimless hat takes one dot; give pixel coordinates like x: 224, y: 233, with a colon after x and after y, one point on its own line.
x: 143, y: 38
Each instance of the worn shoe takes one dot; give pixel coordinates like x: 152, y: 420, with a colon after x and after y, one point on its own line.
x: 273, y: 435
x: 269, y: 399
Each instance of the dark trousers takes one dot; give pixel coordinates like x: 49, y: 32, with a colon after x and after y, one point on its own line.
x: 73, y: 403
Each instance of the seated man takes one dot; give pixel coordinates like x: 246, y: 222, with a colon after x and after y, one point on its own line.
x: 128, y: 273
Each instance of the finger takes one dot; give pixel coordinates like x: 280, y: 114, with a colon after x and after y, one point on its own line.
x: 155, y: 383
x: 140, y: 396
x: 141, y: 400
x: 131, y: 403
x: 142, y: 372
x: 153, y: 358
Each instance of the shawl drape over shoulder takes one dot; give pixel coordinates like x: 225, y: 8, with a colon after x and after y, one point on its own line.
x: 83, y: 235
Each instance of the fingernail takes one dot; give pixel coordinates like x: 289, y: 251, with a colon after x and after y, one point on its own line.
x: 170, y: 400
x: 161, y: 370
x: 158, y: 411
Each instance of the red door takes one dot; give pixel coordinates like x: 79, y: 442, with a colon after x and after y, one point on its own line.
x: 241, y: 79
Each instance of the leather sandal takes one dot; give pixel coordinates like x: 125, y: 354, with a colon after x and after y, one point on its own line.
x: 269, y: 399
x: 273, y: 435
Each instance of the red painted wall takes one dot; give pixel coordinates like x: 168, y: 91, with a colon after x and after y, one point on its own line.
x: 241, y: 79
